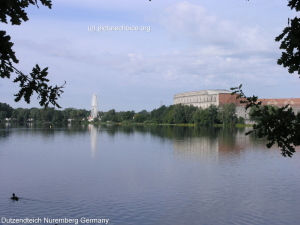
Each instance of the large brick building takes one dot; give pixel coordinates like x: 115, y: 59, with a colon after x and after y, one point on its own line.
x: 206, y: 98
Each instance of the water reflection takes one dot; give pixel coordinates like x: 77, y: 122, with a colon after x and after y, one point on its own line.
x: 205, y: 142
x: 93, y: 136
x: 203, y: 147
x: 137, y: 179
x: 209, y: 142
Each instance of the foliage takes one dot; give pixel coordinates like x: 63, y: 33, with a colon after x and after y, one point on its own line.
x: 227, y: 114
x: 109, y: 116
x: 254, y: 115
x: 49, y: 114
x: 15, y: 10
x: 278, y: 125
x: 156, y: 115
x: 6, y: 111
x: 3, y: 115
x: 141, y: 117
x: 168, y: 116
x: 241, y: 120
x: 290, y: 41
x: 206, y: 117
x: 37, y: 80
x: 189, y: 113
x: 179, y: 114
x: 126, y: 116
x: 201, y: 117
x: 213, y: 112
x: 173, y: 114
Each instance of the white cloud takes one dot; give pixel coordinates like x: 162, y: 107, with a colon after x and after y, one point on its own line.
x: 197, y: 25
x: 190, y: 47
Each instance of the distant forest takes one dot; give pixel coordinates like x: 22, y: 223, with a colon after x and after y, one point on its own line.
x: 173, y: 114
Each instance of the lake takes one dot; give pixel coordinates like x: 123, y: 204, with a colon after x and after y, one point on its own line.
x: 140, y: 175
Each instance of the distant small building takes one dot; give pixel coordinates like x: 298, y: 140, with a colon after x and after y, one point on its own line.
x: 90, y: 118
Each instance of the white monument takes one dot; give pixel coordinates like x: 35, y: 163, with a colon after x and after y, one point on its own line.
x: 94, y: 110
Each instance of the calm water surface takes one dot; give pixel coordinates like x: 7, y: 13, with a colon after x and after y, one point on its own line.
x: 145, y: 175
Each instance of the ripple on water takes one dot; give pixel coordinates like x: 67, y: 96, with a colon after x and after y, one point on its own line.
x: 144, y: 183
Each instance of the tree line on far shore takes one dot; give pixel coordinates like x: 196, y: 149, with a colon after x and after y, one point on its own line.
x: 173, y: 114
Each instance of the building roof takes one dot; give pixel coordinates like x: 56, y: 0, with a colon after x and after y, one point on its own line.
x: 203, y: 92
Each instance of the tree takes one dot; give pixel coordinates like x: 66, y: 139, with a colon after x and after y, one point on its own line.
x: 47, y: 114
x: 169, y: 115
x: 128, y: 115
x: 156, y: 115
x: 111, y: 115
x: 254, y: 116
x: 290, y: 42
x: 179, y: 114
x: 202, y: 117
x: 213, y: 114
x: 206, y: 117
x: 278, y: 125
x: 189, y: 111
x: 20, y: 115
x: 35, y: 114
x: 2, y: 115
x: 7, y: 109
x: 227, y: 114
x: 37, y: 80
x: 141, y: 116
x: 241, y: 120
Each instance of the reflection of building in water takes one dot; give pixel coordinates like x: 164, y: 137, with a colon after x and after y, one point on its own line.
x: 203, y: 147
x: 227, y: 141
x: 93, y: 137
x: 233, y: 141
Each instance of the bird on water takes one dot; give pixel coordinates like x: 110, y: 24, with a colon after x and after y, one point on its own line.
x: 14, y: 197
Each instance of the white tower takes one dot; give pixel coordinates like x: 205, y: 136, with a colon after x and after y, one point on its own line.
x: 94, y: 111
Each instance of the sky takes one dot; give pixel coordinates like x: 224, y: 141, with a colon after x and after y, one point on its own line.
x: 169, y: 47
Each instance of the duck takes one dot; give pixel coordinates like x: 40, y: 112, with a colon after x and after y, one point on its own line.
x: 14, y: 197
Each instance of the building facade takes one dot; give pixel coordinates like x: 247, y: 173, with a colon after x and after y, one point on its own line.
x: 206, y: 98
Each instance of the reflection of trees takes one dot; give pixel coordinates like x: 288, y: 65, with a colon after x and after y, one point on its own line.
x: 187, y: 140
x: 4, y: 132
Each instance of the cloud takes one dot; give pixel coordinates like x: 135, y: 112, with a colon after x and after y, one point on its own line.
x: 217, y: 47
x: 190, y: 47
x: 197, y: 25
